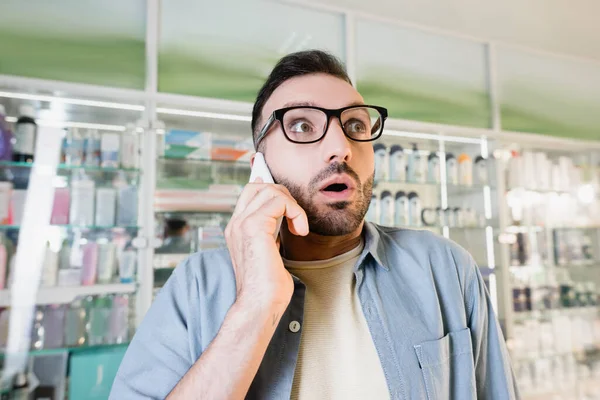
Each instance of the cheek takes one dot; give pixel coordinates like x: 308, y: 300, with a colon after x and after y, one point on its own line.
x: 288, y: 162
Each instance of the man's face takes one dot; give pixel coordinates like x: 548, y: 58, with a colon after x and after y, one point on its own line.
x: 332, y: 179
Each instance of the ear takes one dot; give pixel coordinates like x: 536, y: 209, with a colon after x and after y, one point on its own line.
x: 252, y: 160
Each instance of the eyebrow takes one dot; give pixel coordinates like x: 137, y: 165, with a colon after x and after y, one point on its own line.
x: 311, y: 104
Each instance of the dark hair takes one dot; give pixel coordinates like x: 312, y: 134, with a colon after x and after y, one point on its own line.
x: 293, y: 65
x: 175, y: 224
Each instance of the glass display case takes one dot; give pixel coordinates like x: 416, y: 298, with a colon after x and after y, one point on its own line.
x: 443, y: 184
x: 70, y: 181
x: 203, y: 164
x: 552, y: 235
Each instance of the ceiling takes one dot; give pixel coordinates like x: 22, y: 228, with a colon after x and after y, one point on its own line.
x: 559, y: 26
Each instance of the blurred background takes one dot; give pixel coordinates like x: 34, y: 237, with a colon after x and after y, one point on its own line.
x: 125, y: 141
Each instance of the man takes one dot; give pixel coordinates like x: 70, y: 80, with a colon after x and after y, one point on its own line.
x: 176, y: 240
x: 338, y: 308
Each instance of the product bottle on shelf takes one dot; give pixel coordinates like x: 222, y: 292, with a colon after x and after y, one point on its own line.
x: 386, y: 217
x: 587, y: 249
x: 61, y: 206
x: 25, y: 135
x: 64, y: 255
x: 54, y: 326
x: 73, y: 147
x: 130, y: 152
x: 127, y: 202
x: 528, y: 285
x: 373, y: 211
x: 99, y: 320
x: 481, y: 170
x: 6, y: 137
x: 4, y: 320
x: 70, y: 262
x: 414, y: 209
x: 381, y: 165
x: 402, y: 217
x: 450, y: 217
x: 518, y: 294
x: 581, y: 298
x: 82, y: 200
x: 75, y: 324
x: 3, y: 262
x: 537, y: 287
x: 127, y: 264
x: 50, y: 267
x: 441, y: 219
x: 119, y: 319
x: 465, y: 170
x: 106, y: 201
x: 522, y: 249
x: 106, y: 260
x: 90, y: 263
x: 451, y: 169
x: 462, y: 218
x: 429, y: 216
x: 551, y: 291
x: 397, y: 164
x: 591, y: 296
x: 110, y: 144
x: 567, y: 291
x: 415, y: 172
x: 6, y: 192
x: 92, y: 149
x: 433, y: 168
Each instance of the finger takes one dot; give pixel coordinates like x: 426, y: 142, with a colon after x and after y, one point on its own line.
x: 251, y: 191
x: 283, y: 206
x: 265, y: 195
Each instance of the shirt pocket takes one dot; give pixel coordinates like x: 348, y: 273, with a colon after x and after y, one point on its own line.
x: 447, y: 366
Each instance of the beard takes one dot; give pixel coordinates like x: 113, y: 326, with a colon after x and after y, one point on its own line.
x: 336, y: 218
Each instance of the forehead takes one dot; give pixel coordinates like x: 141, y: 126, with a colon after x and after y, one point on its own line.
x: 320, y: 90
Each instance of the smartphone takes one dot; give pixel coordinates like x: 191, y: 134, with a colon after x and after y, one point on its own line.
x: 260, y: 170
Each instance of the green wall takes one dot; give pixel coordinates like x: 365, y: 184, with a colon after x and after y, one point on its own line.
x: 83, y: 41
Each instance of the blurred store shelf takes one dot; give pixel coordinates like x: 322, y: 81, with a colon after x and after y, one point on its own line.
x: 78, y: 349
x: 66, y: 294
x: 80, y: 227
x: 60, y: 167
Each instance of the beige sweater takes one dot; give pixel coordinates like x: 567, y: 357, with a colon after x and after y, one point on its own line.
x: 337, y: 359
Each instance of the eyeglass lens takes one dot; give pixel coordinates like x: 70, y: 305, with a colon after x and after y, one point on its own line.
x: 308, y: 124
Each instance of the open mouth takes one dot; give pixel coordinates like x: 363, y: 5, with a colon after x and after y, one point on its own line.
x: 336, y: 187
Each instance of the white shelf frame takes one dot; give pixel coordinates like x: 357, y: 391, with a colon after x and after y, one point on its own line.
x: 66, y: 294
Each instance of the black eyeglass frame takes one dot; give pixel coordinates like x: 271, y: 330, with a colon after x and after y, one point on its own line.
x: 277, y: 115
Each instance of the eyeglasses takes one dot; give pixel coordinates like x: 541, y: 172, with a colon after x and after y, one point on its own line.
x: 307, y: 124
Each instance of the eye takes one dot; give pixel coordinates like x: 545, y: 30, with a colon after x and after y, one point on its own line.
x: 301, y: 126
x: 355, y: 126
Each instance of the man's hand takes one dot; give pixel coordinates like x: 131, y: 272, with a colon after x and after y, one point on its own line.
x: 259, y: 271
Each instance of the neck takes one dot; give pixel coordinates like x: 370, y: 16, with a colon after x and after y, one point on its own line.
x: 313, y: 247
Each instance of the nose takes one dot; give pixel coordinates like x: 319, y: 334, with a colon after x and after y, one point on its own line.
x: 336, y: 146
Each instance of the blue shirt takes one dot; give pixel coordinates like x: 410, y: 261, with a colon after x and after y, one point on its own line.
x: 423, y: 297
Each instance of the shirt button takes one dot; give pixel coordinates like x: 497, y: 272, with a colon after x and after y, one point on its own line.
x: 294, y: 326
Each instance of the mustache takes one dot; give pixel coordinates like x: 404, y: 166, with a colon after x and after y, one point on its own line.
x: 333, y: 169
